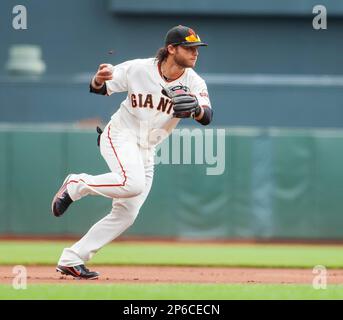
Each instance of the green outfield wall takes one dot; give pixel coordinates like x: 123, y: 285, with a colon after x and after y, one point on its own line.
x: 276, y: 184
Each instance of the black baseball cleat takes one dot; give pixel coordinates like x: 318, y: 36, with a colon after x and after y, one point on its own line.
x: 78, y: 272
x: 61, y: 200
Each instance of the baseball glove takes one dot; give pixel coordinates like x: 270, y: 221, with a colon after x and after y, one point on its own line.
x: 185, y: 104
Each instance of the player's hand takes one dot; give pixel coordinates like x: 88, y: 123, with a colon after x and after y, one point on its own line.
x: 104, y: 73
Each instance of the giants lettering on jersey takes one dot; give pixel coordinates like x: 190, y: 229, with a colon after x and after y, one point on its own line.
x: 142, y: 101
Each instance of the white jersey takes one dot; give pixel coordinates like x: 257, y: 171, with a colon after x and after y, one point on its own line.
x: 145, y: 108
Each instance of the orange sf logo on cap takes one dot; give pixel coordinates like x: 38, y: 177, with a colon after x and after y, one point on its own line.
x: 193, y: 37
x: 191, y: 31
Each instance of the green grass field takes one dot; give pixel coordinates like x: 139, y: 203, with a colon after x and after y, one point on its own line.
x: 172, y: 292
x: 135, y: 253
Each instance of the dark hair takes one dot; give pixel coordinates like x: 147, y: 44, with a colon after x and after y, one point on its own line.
x: 162, y: 54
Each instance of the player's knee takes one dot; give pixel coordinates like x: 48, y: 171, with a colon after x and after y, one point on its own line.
x: 136, y: 190
x: 126, y: 211
x: 131, y: 217
x: 135, y: 186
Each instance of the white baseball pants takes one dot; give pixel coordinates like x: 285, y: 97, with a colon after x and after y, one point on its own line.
x: 128, y: 184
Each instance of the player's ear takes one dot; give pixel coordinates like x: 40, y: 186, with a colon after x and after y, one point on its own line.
x: 171, y: 49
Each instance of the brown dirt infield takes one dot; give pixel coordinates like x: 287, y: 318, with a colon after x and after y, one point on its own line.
x: 155, y: 274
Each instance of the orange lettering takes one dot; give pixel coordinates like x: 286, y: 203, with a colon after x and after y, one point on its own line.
x: 133, y: 101
x: 170, y: 107
x: 163, y: 104
x: 148, y: 101
x: 140, y: 104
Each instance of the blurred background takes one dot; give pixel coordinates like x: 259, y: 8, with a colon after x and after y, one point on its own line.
x: 275, y: 84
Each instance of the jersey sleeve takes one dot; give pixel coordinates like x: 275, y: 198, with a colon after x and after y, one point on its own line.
x: 200, y: 90
x: 119, y: 83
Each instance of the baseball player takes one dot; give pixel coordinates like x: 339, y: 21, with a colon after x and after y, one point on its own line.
x: 161, y: 91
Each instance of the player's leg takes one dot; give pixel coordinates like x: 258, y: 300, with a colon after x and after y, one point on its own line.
x: 125, y: 180
x: 123, y: 214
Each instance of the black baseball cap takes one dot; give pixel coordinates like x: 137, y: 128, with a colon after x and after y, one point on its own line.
x: 184, y: 36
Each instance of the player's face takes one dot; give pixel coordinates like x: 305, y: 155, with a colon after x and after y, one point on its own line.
x: 186, y: 57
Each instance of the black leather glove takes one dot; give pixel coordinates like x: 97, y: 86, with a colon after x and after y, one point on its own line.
x: 185, y: 104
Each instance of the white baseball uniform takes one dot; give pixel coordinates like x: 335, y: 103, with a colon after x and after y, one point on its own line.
x: 128, y: 146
